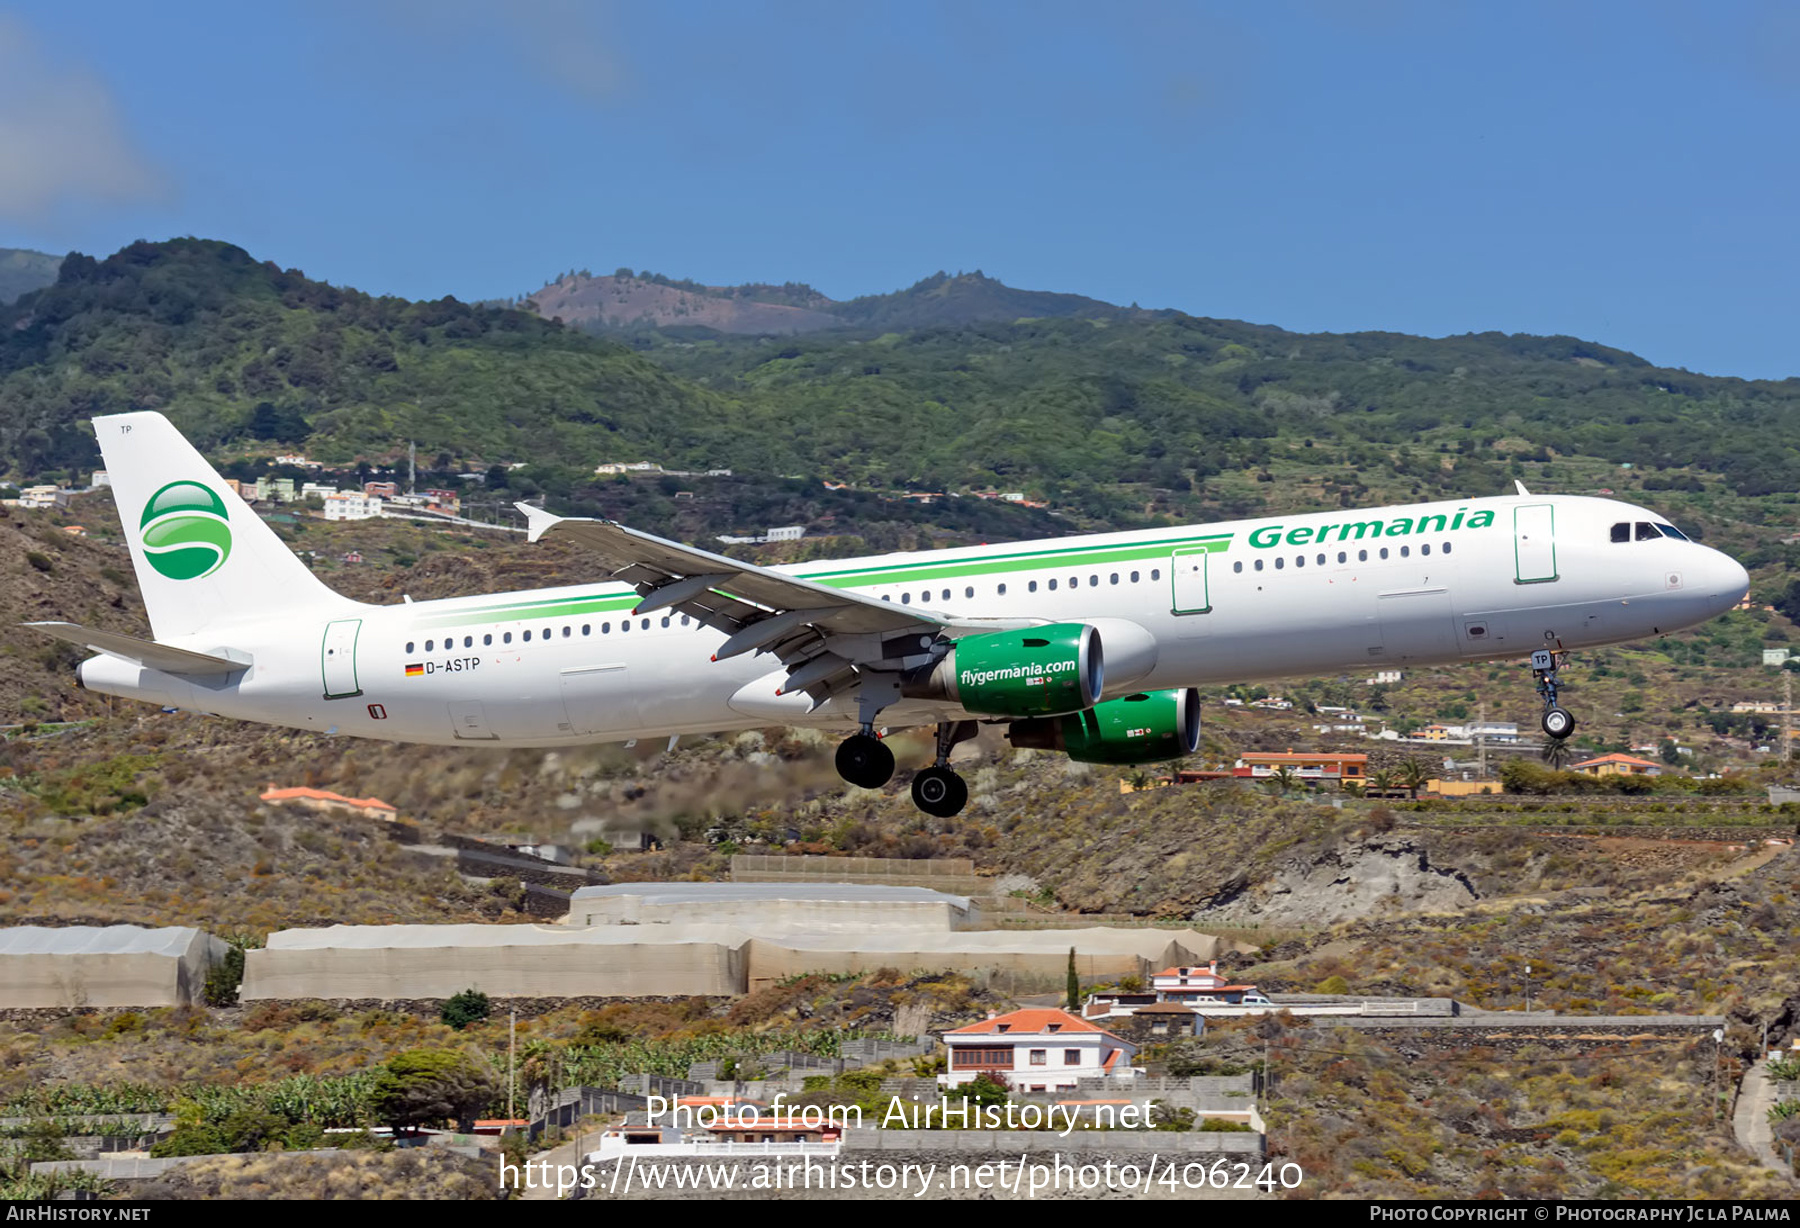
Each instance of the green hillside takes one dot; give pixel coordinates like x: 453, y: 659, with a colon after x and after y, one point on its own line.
x: 236, y: 352
x: 22, y: 271
x: 1111, y: 419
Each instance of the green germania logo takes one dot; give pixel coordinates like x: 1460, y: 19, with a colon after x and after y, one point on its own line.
x: 187, y: 532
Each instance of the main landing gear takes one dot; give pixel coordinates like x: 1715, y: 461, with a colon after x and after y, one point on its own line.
x: 865, y: 761
x: 938, y: 790
x: 1557, y: 722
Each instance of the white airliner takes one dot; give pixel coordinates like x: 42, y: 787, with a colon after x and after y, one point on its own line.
x: 1091, y: 645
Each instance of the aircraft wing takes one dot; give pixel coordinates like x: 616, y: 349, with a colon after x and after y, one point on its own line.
x: 142, y: 652
x: 804, y: 623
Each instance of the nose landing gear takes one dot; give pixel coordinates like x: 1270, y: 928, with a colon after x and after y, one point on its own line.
x: 1557, y: 722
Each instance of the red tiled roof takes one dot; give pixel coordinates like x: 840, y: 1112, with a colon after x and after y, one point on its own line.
x: 1616, y: 757
x: 1033, y: 1022
x: 295, y: 795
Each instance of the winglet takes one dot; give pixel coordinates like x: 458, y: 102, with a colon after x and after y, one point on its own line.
x: 537, y: 520
x: 1521, y: 487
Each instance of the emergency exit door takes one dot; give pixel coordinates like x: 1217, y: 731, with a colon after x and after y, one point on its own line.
x: 1534, y: 544
x: 1187, y: 575
x: 337, y: 658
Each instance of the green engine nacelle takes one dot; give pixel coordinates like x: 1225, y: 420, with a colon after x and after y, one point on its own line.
x: 1145, y: 728
x: 1034, y: 671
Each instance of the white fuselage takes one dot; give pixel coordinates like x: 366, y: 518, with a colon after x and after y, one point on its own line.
x: 1290, y: 596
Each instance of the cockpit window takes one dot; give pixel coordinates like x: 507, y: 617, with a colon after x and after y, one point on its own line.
x: 1646, y: 531
x: 1669, y: 530
x: 1621, y: 532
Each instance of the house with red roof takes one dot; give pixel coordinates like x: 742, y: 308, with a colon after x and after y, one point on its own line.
x: 1036, y: 1051
x: 322, y: 799
x: 1617, y: 765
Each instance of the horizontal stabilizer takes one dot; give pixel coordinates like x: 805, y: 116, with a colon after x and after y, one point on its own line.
x: 145, y: 652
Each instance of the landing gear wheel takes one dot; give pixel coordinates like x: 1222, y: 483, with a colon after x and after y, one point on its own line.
x: 865, y: 761
x: 939, y: 792
x: 1558, y: 723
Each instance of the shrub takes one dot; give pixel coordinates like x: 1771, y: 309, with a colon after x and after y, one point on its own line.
x: 469, y: 1006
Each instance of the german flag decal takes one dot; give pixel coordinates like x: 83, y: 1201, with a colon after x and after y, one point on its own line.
x: 415, y: 670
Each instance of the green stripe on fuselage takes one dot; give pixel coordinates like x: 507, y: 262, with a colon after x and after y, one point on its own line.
x: 923, y: 571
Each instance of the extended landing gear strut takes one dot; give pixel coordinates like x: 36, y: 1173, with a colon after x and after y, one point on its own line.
x: 1557, y: 722
x: 938, y: 790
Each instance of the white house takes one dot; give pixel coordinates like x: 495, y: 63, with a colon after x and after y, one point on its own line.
x: 1036, y: 1051
x: 44, y: 497
x: 1204, y: 986
x: 351, y: 505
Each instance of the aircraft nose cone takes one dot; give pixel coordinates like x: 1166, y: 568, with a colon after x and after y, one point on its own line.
x: 1725, y: 578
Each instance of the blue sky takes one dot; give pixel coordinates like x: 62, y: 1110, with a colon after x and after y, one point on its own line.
x: 1621, y: 172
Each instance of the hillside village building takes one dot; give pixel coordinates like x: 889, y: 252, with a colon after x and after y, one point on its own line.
x: 1617, y: 765
x: 1036, y: 1051
x: 1320, y: 768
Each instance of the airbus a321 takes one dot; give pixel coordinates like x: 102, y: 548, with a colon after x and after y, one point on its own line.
x: 1090, y: 645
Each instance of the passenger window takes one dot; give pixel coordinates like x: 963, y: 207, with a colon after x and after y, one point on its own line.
x: 1362, y: 556
x: 1238, y: 566
x: 1343, y: 557
x: 684, y: 620
x: 946, y: 594
x: 1406, y: 552
x: 468, y: 641
x: 605, y: 628
x: 1156, y: 573
x: 1093, y: 581
x: 1115, y: 577
x: 1001, y: 590
x: 527, y: 639
x: 1053, y: 586
x: 487, y: 639
x: 409, y: 645
x: 1425, y: 549
x: 1446, y: 547
x: 1621, y: 532
x: 1031, y: 587
x: 587, y: 628
x: 1074, y: 581
x: 905, y: 598
x: 969, y: 592
x: 1299, y: 560
x: 1259, y: 564
x: 507, y: 638
x: 624, y: 625
x: 1646, y: 531
x: 1134, y: 577
x: 1280, y: 563
x: 644, y: 625
x: 1320, y: 560
x: 1384, y: 552
x: 548, y: 631
x: 665, y: 620
x: 566, y: 628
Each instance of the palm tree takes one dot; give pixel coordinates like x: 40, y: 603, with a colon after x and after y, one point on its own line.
x: 1412, y: 777
x: 1381, y: 780
x: 1558, y: 753
x: 1282, y: 779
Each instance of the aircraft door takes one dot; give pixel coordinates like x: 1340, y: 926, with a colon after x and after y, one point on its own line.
x: 1534, y: 544
x: 1188, y: 579
x: 337, y: 658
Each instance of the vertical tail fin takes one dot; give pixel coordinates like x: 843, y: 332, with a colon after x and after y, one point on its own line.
x: 203, y: 558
